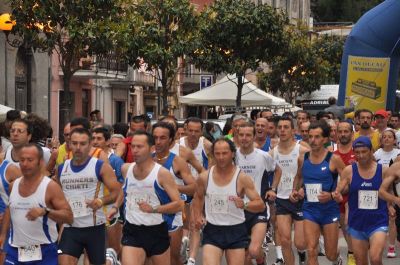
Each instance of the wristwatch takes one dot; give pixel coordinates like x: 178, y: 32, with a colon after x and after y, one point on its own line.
x: 47, y: 210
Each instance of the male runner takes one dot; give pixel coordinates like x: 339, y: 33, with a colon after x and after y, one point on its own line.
x: 163, y: 134
x: 289, y: 156
x: 254, y: 162
x: 319, y: 174
x: 150, y: 197
x: 222, y: 189
x: 82, y: 179
x: 36, y: 204
x: 345, y: 151
x: 368, y: 215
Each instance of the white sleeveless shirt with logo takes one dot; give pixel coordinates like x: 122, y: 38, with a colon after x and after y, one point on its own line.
x: 199, y: 153
x: 24, y: 233
x: 81, y: 183
x: 289, y: 165
x: 254, y: 165
x: 145, y: 190
x: 220, y: 208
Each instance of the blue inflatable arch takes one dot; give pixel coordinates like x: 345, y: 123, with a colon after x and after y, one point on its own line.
x: 376, y: 34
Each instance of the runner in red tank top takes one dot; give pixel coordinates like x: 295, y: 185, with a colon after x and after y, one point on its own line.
x: 344, y: 150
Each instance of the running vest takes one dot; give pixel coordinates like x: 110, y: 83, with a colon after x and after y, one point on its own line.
x: 255, y: 165
x: 386, y: 158
x: 8, y: 157
x: 4, y: 185
x: 24, y: 232
x: 219, y: 207
x: 289, y: 165
x: 147, y: 190
x: 199, y: 152
x: 366, y: 210
x: 81, y: 183
x: 168, y: 164
x: 175, y: 149
x: 317, y: 178
x: 267, y: 145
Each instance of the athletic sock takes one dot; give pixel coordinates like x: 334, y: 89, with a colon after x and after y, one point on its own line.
x: 279, y: 254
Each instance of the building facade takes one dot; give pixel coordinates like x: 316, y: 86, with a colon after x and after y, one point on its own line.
x: 24, y: 76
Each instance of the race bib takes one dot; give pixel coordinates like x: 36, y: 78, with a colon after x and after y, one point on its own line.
x: 368, y: 199
x: 78, y: 206
x: 312, y: 191
x: 286, y: 182
x: 219, y: 203
x: 29, y: 253
x: 135, y: 198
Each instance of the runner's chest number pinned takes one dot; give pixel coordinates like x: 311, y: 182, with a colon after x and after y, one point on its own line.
x: 312, y: 191
x: 29, y: 253
x: 78, y: 206
x: 368, y: 199
x: 219, y: 203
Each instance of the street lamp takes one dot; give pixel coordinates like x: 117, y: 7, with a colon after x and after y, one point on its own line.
x: 6, y: 25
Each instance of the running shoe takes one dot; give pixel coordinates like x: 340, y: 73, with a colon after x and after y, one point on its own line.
x: 184, y: 246
x: 391, y: 252
x: 190, y: 261
x: 111, y: 255
x: 279, y: 262
x: 339, y: 261
x: 350, y: 259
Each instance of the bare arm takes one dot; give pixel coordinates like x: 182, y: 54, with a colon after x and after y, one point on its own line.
x: 12, y: 173
x: 60, y: 209
x: 337, y: 164
x: 198, y: 201
x: 191, y: 159
x: 167, y: 182
x: 110, y: 181
x: 389, y: 177
x: 190, y: 184
x: 121, y: 149
x: 256, y: 204
x: 345, y: 180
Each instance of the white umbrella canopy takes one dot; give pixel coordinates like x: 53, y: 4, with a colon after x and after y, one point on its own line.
x: 4, y: 109
x: 223, y: 93
x: 3, y: 112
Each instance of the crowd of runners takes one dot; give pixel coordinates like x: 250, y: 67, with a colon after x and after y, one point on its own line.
x: 154, y: 192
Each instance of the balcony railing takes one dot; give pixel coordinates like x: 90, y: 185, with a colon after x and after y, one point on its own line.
x: 111, y: 62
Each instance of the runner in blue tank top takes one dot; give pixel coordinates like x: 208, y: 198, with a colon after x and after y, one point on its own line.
x: 368, y: 214
x: 320, y: 211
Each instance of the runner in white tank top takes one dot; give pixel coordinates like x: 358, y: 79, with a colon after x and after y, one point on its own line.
x: 200, y: 148
x: 288, y: 155
x: 163, y: 134
x: 8, y: 173
x: 82, y: 179
x: 255, y: 163
x: 222, y: 189
x: 151, y: 197
x: 36, y: 203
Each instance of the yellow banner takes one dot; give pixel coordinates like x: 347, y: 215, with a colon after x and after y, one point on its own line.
x: 367, y: 82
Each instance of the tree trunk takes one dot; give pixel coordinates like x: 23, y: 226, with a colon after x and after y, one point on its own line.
x: 164, y: 81
x: 66, y: 108
x: 239, y: 90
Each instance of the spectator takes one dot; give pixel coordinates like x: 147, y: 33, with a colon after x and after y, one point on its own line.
x: 338, y: 111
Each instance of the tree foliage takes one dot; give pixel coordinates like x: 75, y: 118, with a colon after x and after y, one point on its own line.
x: 330, y: 49
x: 237, y: 35
x: 71, y: 29
x: 301, y: 69
x: 341, y: 11
x: 159, y: 31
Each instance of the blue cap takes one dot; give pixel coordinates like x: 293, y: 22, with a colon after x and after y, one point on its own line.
x: 362, y: 141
